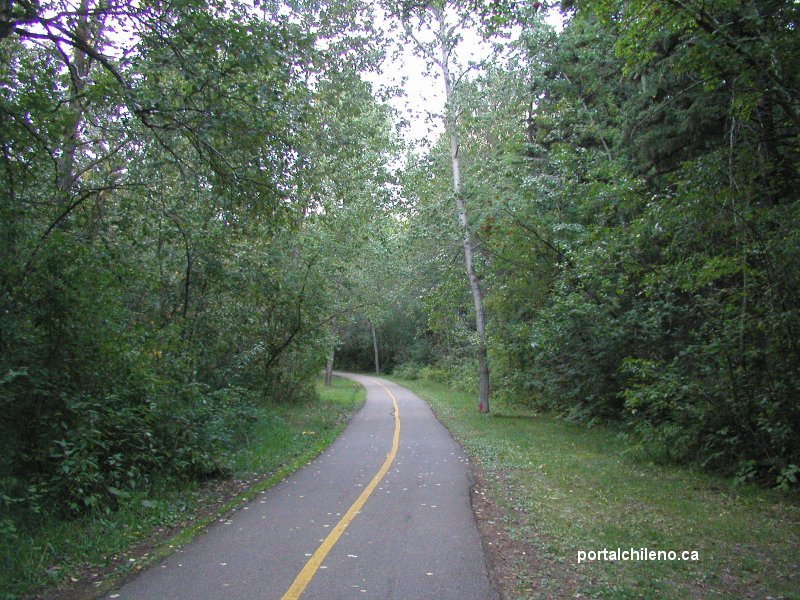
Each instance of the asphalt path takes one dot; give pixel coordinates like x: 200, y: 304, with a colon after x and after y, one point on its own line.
x: 374, y: 516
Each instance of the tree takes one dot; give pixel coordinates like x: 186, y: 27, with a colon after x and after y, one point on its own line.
x: 166, y: 272
x: 639, y: 231
x: 651, y: 231
x: 439, y: 51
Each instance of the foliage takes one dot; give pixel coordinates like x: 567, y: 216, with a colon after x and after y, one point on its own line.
x: 408, y: 370
x: 201, y: 200
x: 671, y: 309
x: 634, y: 179
x: 278, y: 438
x: 169, y: 184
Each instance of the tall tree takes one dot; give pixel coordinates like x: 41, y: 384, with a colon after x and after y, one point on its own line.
x: 167, y: 193
x: 442, y: 24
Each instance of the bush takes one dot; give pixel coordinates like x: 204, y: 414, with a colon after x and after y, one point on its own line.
x: 92, y: 451
x: 408, y: 370
x: 435, y: 373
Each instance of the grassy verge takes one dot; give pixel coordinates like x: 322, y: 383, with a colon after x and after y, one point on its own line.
x: 81, y: 558
x: 560, y: 488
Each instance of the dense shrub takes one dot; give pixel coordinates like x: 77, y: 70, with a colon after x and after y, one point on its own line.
x: 408, y: 370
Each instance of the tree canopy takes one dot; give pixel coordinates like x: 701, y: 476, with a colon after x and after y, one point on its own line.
x: 200, y: 200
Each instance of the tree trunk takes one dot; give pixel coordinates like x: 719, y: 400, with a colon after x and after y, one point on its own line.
x: 461, y: 211
x: 375, y: 348
x: 329, y: 367
x: 87, y: 30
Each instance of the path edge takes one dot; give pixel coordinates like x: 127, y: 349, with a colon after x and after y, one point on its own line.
x: 85, y: 590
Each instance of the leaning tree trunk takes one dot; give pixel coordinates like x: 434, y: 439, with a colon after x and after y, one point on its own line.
x: 375, y: 348
x: 461, y: 210
x: 88, y: 30
x: 329, y: 367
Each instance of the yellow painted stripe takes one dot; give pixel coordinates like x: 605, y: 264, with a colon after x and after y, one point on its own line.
x: 310, y: 569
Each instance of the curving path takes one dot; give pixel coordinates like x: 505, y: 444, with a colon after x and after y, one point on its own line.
x: 383, y: 513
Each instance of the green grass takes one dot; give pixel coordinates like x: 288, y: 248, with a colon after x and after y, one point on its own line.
x: 102, y: 548
x: 565, y: 487
x: 293, y: 431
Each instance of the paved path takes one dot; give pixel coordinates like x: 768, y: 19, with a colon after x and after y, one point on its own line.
x: 413, y: 537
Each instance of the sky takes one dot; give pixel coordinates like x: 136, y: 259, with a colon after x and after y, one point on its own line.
x: 423, y: 99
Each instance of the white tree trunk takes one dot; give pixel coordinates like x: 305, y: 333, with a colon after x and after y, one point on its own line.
x: 375, y: 348
x: 461, y: 210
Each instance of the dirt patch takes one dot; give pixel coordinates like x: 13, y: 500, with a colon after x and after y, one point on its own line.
x: 518, y: 567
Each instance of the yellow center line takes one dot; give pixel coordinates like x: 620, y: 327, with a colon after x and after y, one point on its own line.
x: 310, y: 569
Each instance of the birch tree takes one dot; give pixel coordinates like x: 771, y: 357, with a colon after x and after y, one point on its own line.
x: 435, y: 29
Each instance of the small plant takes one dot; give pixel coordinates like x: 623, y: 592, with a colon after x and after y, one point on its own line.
x: 788, y: 477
